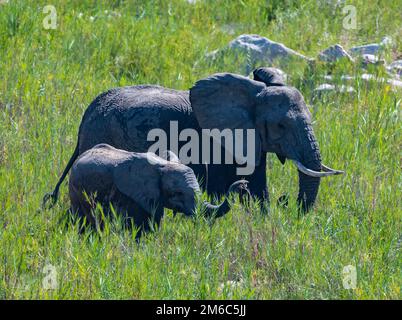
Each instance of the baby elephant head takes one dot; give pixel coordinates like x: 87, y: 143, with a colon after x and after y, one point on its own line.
x: 181, y: 190
x: 153, y: 182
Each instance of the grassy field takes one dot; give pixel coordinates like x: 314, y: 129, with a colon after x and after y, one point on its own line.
x: 48, y: 78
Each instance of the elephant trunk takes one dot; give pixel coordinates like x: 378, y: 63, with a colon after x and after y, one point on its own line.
x: 308, y: 190
x: 220, y: 210
x: 217, y: 210
x: 308, y: 184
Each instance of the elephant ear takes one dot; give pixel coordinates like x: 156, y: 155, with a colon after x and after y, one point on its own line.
x: 227, y: 101
x: 139, y: 179
x: 270, y: 76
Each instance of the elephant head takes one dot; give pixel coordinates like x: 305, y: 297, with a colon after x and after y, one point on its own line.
x: 152, y: 181
x: 279, y: 115
x: 179, y: 188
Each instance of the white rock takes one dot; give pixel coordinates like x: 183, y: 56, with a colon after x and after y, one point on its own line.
x: 330, y: 87
x: 395, y: 68
x: 264, y: 50
x: 114, y: 14
x: 386, y: 41
x: 259, y: 51
x: 230, y: 286
x: 334, y: 53
x: 343, y: 78
x: 369, y: 77
x: 372, y: 59
x: 347, y: 78
x: 371, y: 48
x: 325, y: 87
x: 395, y: 83
x: 346, y: 89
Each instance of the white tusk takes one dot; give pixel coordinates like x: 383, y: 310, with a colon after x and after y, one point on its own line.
x: 328, y: 169
x: 313, y: 173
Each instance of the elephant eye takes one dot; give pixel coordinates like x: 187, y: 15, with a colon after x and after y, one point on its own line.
x: 178, y: 194
x: 276, y: 132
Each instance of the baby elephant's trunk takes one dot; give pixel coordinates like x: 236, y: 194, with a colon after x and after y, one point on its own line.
x: 220, y: 210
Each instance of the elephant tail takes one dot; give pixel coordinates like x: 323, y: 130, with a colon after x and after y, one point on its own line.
x: 54, y: 195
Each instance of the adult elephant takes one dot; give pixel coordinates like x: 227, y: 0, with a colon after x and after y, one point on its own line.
x: 123, y: 117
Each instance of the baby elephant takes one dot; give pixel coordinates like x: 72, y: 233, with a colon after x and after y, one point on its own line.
x: 138, y: 185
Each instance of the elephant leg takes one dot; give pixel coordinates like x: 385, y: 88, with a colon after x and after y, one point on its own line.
x: 144, y: 227
x: 74, y: 216
x: 158, y: 216
x: 79, y: 209
x: 150, y: 222
x: 78, y: 213
x: 258, y: 182
x: 135, y: 215
x: 153, y: 220
x: 86, y: 217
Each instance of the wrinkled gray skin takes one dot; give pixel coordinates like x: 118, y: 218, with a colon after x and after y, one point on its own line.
x: 122, y: 117
x: 138, y: 185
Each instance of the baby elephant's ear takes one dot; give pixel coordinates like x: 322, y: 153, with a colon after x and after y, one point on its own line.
x: 139, y: 179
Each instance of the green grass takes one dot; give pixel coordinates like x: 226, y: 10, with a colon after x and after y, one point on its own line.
x: 48, y: 78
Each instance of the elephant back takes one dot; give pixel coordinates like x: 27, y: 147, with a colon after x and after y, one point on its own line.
x: 123, y: 117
